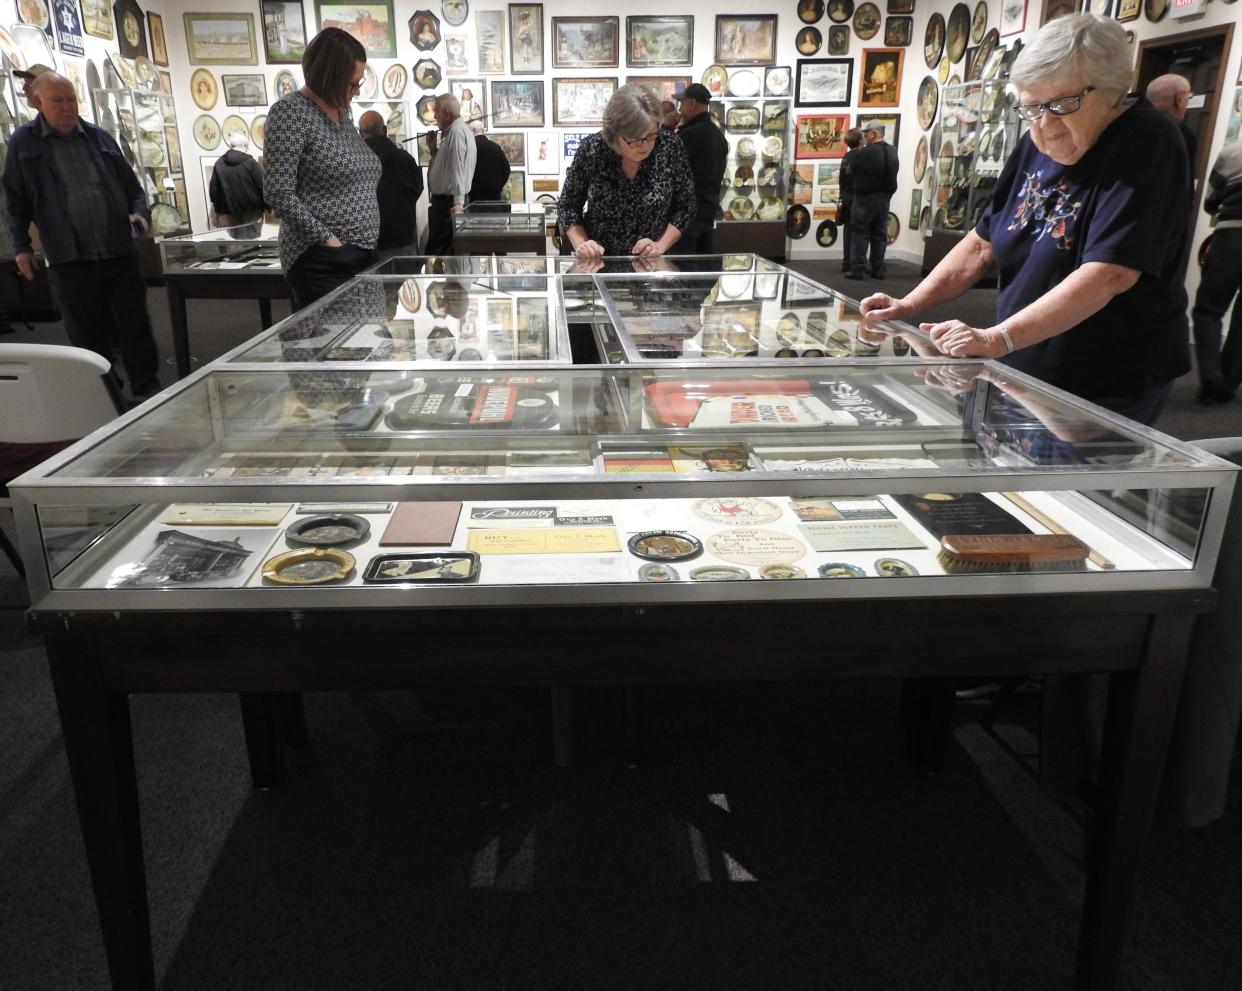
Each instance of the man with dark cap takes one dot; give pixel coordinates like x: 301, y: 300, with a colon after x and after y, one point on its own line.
x: 875, y: 181
x: 708, y: 151
x: 400, y: 186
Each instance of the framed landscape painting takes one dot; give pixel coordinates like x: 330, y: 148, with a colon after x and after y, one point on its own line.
x: 746, y: 39
x: 651, y: 41
x: 284, y: 31
x: 517, y: 102
x: 580, y: 102
x: 585, y: 42
x: 661, y: 87
x: 371, y: 23
x: 220, y: 39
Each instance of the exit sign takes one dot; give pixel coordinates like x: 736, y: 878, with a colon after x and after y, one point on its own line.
x: 1185, y: 8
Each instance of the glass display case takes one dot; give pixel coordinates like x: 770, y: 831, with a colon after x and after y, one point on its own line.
x: 285, y: 486
x: 753, y: 187
x: 13, y: 113
x: 244, y: 248
x: 976, y: 134
x: 500, y: 218
x: 144, y: 124
x: 500, y: 315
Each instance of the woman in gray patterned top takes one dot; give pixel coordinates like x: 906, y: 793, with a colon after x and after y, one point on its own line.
x: 319, y: 175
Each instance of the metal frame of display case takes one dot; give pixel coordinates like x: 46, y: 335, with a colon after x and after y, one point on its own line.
x: 149, y: 155
x: 105, y: 644
x: 499, y: 228
x: 763, y: 236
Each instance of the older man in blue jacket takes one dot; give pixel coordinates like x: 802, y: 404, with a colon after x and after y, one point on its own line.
x: 68, y: 178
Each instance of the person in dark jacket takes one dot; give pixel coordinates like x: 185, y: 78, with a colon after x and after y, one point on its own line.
x: 491, y: 168
x: 874, y: 181
x: 853, y: 141
x: 400, y: 186
x: 1220, y: 371
x: 707, y: 150
x: 237, y: 184
x: 69, y: 178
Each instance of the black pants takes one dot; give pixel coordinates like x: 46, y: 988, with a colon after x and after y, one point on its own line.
x: 1222, y: 278
x: 104, y: 304
x: 698, y: 239
x: 868, y: 223
x: 320, y: 269
x: 843, y: 225
x: 439, y: 225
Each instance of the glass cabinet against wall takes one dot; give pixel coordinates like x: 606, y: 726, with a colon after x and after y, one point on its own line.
x: 13, y: 113
x: 244, y: 248
x: 285, y: 486
x: 144, y: 124
x: 753, y: 191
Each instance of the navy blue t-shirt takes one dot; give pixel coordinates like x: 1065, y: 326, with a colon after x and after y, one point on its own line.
x: 1120, y: 203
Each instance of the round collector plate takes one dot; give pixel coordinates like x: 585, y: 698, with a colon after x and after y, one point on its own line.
x: 776, y: 81
x: 979, y: 23
x: 839, y: 569
x: 37, y: 48
x: 233, y: 124
x: 933, y: 40
x: 370, y: 83
x: 395, y: 78
x: 867, y: 21
x: 665, y: 545
x: 427, y: 73
x: 746, y: 148
x: 928, y: 101
x: 920, y: 159
x: 745, y: 82
x: 258, y: 131
x: 719, y: 573
x: 328, y: 530
x: 770, y: 208
x: 309, y: 566
x: 654, y: 572
x: 716, y: 79
x: 747, y: 511
x: 894, y: 567
x: 203, y: 89
x: 206, y: 132
x: 454, y: 12
x: 958, y: 33
x: 781, y: 572
x: 840, y: 11
x: 33, y: 12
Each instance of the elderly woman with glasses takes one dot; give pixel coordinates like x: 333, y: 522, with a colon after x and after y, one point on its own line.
x: 1086, y: 231
x: 629, y: 190
x: 319, y: 175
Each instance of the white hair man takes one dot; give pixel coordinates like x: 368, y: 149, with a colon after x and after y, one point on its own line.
x: 450, y: 175
x: 236, y: 186
x: 1170, y: 94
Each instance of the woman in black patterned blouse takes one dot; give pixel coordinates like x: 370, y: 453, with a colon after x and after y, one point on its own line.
x: 319, y: 175
x: 636, y: 178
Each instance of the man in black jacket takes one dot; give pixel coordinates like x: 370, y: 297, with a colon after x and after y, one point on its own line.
x: 237, y: 185
x: 853, y: 141
x: 491, y: 168
x: 1220, y: 371
x: 400, y: 186
x: 875, y: 181
x: 707, y: 150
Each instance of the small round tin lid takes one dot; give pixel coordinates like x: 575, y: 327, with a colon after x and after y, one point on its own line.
x: 665, y: 545
x: 655, y: 572
x: 719, y: 573
x: 840, y: 569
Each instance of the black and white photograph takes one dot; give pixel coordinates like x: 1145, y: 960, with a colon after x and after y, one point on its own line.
x: 825, y: 82
x: 249, y: 90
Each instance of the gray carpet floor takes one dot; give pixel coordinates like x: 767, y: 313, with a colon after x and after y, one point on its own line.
x: 772, y: 836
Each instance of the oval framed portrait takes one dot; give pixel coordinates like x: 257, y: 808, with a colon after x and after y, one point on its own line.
x: 826, y: 234
x: 979, y: 22
x: 203, y: 89
x: 286, y: 83
x: 809, y: 41
x: 892, y: 228
x: 810, y: 11
x: 928, y: 102
x: 424, y: 30
x: 920, y: 159
x: 840, y: 11
x: 867, y: 21
x: 233, y: 124
x: 958, y: 32
x: 427, y: 73
x: 797, y: 222
x: 258, y: 131
x: 933, y: 41
x: 426, y: 109
x: 395, y: 78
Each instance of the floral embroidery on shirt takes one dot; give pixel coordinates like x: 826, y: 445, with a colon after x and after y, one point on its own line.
x: 1049, y: 211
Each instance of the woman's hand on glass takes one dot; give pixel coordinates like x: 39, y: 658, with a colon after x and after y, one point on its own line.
x: 589, y: 249
x: 882, y: 306
x: 959, y: 340
x: 644, y: 247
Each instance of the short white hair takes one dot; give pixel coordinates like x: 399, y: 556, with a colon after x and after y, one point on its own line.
x: 1089, y: 44
x: 449, y: 104
x: 239, y: 141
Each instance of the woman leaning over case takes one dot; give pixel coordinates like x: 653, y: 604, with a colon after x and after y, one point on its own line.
x: 319, y: 175
x: 629, y: 190
x: 1084, y: 229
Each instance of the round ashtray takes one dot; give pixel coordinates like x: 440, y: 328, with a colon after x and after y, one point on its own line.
x: 839, y: 569
x: 781, y: 572
x: 773, y: 147
x: 746, y: 148
x: 309, y: 566
x: 894, y: 567
x: 665, y: 545
x: 655, y: 572
x: 328, y: 530
x: 719, y: 573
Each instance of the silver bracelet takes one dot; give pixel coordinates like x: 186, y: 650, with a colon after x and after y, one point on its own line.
x: 1004, y: 334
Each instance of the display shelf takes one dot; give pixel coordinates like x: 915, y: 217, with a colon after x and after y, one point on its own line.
x: 246, y: 247
x: 758, y: 132
x: 144, y: 124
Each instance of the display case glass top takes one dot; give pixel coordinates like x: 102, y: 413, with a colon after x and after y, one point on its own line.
x: 243, y: 248
x: 425, y: 319
x: 500, y: 218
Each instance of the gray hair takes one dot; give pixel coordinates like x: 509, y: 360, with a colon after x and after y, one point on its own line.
x: 631, y: 113
x: 449, y: 103
x: 1088, y: 43
x: 1164, y: 90
x: 477, y: 128
x: 239, y: 141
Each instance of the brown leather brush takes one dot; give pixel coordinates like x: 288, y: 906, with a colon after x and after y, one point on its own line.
x: 992, y: 553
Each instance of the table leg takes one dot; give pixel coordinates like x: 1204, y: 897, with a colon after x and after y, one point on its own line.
x: 100, y: 749
x: 265, y: 312
x: 261, y: 725
x: 1142, y: 707
x: 180, y: 327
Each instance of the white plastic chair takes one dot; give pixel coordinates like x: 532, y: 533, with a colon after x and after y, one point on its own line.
x: 49, y: 392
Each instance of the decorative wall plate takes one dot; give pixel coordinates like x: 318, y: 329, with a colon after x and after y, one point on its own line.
x: 810, y: 11
x: 286, y: 83
x: 12, y: 54
x: 797, y: 222
x: 716, y: 79
x: 979, y: 23
x: 426, y: 110
x: 928, y: 102
x: 867, y: 21
x: 370, y: 84
x: 232, y: 124
x: 958, y: 33
x: 840, y: 11
x: 427, y: 73
x: 808, y: 41
x: 826, y: 234
x: 744, y: 83
x: 933, y: 40
x: 131, y: 33
x: 742, y: 120
x: 776, y: 80
x: 36, y: 47
x: 34, y: 12
x: 206, y: 132
x: 164, y: 218
x: 395, y: 78
x: 454, y: 12
x: 203, y: 89
x: 892, y: 228
x: 258, y: 131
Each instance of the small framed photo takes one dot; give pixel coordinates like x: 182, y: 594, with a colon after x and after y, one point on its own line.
x: 1013, y: 17
x: 513, y: 145
x: 220, y: 39
x: 1127, y: 10
x: 891, y: 122
x: 881, y: 77
x: 652, y: 41
x: 580, y: 102
x: 825, y: 82
x: 545, y: 153
x: 585, y: 42
x: 526, y: 38
x: 472, y: 94
x: 748, y: 39
x: 159, y: 44
x: 821, y: 135
x: 517, y: 103
x: 284, y: 31
x: 898, y: 31
x: 490, y: 25
x: 249, y: 90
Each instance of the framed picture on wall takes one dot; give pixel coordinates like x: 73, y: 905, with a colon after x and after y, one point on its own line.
x: 514, y: 191
x: 746, y: 39
x: 220, y: 39
x: 249, y: 90
x: 821, y: 135
x: 517, y: 102
x: 491, y: 27
x: 580, y: 102
x: 661, y: 87
x: 131, y: 32
x: 891, y: 122
x: 472, y: 94
x: 159, y: 44
x: 526, y: 38
x: 371, y: 23
x: 585, y: 42
x: 97, y: 19
x: 881, y: 77
x: 513, y: 145
x: 1012, y: 17
x: 651, y: 41
x: 825, y: 82
x: 284, y: 31
x: 545, y: 153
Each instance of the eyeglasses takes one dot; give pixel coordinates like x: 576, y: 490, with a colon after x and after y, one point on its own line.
x: 642, y: 142
x: 357, y: 83
x: 1063, y: 107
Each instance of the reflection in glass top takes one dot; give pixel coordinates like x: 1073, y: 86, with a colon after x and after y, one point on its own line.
x: 733, y: 315
x: 250, y: 247
x: 500, y: 217
x: 894, y: 421
x: 425, y: 318
x: 568, y: 265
